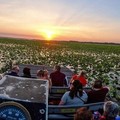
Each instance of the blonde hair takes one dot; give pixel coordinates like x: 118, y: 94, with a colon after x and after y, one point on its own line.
x: 40, y: 73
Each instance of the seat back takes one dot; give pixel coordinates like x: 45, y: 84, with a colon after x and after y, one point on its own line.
x: 57, y: 92
x: 34, y: 69
x: 68, y: 111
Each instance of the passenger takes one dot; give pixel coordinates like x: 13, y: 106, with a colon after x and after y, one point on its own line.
x: 83, y: 114
x: 98, y: 93
x: 26, y: 72
x: 41, y: 74
x: 111, y: 110
x: 81, y: 77
x: 46, y: 76
x: 76, y: 95
x: 14, y: 71
x: 57, y: 77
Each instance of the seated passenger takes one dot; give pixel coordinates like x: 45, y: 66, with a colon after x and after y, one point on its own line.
x: 43, y: 74
x: 40, y: 74
x: 46, y: 76
x: 14, y: 71
x: 98, y: 93
x: 57, y: 77
x: 81, y: 77
x: 111, y: 110
x: 76, y: 95
x: 83, y: 114
x: 26, y: 72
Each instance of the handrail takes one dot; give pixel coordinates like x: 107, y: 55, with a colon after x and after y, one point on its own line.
x: 70, y: 109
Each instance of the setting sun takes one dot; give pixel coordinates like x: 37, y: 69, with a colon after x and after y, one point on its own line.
x: 48, y: 34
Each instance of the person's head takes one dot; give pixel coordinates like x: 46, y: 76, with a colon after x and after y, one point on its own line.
x: 75, y: 87
x: 15, y: 69
x: 26, y: 71
x: 97, y: 84
x: 45, y: 73
x: 111, y: 110
x: 76, y: 84
x: 57, y: 68
x: 83, y: 114
x: 40, y: 73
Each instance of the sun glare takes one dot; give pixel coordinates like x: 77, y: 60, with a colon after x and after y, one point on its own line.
x: 48, y: 34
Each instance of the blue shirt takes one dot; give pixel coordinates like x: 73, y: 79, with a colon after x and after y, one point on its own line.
x: 67, y: 100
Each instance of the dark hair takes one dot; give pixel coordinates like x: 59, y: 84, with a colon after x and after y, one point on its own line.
x: 77, y: 87
x: 26, y: 72
x: 83, y: 114
x: 57, y: 67
x: 97, y: 84
x: 83, y: 72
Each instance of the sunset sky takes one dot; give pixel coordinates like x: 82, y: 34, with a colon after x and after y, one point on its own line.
x: 83, y: 20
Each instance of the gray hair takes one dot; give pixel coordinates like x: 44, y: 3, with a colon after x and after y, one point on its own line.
x: 111, y: 109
